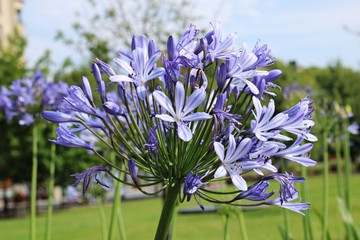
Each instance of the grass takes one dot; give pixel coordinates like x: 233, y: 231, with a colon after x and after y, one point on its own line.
x: 141, y: 219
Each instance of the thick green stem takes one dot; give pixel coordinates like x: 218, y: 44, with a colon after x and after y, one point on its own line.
x: 167, y: 212
x: 33, y: 183
x: 116, y: 211
x: 51, y: 189
x: 325, y: 187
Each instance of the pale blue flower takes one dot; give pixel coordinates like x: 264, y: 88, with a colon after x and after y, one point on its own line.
x: 230, y: 163
x: 142, y: 69
x: 264, y: 124
x: 182, y: 113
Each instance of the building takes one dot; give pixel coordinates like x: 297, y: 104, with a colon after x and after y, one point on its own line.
x: 10, y: 19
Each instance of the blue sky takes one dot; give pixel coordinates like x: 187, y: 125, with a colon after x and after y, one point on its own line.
x: 309, y: 32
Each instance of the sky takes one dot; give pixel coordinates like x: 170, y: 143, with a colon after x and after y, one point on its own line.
x: 310, y: 32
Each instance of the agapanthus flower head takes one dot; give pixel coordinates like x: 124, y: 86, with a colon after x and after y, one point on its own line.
x: 195, y: 117
x: 26, y: 98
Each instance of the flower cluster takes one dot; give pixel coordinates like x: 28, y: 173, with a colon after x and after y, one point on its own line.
x: 195, y: 114
x: 28, y: 97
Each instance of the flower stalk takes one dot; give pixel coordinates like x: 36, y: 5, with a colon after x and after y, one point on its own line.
x: 167, y: 212
x: 33, y: 181
x: 51, y: 188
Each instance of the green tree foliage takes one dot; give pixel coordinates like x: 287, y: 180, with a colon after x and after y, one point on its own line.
x: 110, y: 24
x: 12, y: 62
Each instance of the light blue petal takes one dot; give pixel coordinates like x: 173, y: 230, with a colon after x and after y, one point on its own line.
x: 195, y: 99
x: 139, y: 59
x: 220, y: 172
x: 197, y: 116
x: 151, y: 63
x: 219, y: 149
x: 124, y: 65
x: 239, y: 182
x: 242, y: 149
x: 156, y: 73
x: 252, y: 87
x: 179, y: 97
x: 164, y: 101
x: 141, y: 91
x: 165, y: 117
x: 184, y: 132
x: 231, y: 148
x: 121, y: 78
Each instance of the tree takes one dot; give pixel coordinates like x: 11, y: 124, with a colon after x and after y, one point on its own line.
x: 113, y: 23
x: 12, y: 61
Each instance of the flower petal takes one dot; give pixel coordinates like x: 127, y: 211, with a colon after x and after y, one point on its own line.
x: 194, y: 100
x: 219, y: 149
x: 164, y: 101
x: 184, y: 132
x: 239, y: 182
x: 165, y: 117
x: 179, y: 97
x: 220, y: 172
x: 197, y: 116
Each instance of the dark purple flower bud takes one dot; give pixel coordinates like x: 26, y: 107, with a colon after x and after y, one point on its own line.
x: 273, y: 74
x: 105, y: 67
x: 112, y: 108
x: 152, y: 142
x: 87, y: 88
x: 58, y: 117
x: 96, y: 72
x: 256, y: 192
x: 151, y: 48
x: 171, y: 49
x: 221, y: 75
x: 102, y: 91
x: 133, y: 169
x: 89, y: 176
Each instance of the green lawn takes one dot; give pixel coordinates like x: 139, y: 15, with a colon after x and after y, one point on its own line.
x: 141, y: 220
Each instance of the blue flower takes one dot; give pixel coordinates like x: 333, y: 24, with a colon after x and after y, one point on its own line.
x: 229, y: 161
x: 69, y: 139
x: 264, y: 124
x: 182, y: 113
x: 141, y: 70
x: 88, y: 176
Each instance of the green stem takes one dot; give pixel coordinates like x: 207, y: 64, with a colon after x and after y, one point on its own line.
x: 244, y: 234
x: 304, y: 196
x: 287, y: 224
x: 226, y: 226
x: 347, y: 167
x: 33, y: 183
x: 102, y: 217
x: 51, y: 188
x: 339, y: 172
x: 325, y: 187
x: 167, y: 211
x: 116, y: 211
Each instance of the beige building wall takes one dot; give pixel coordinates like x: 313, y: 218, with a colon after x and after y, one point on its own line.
x: 10, y: 19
